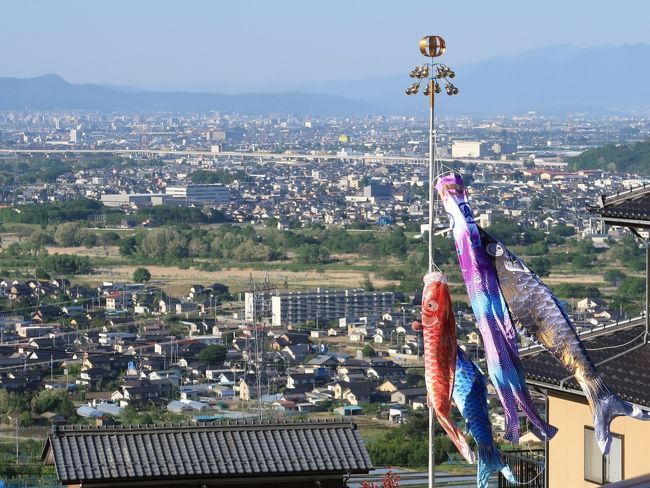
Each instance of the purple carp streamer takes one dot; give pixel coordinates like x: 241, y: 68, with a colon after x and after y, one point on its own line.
x: 493, y: 319
x: 538, y: 315
x: 470, y: 396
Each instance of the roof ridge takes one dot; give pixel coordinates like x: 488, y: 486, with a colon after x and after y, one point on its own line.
x: 239, y: 424
x: 621, y: 196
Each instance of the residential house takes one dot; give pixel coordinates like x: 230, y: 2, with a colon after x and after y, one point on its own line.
x: 92, y: 377
x: 296, y: 379
x: 405, y: 396
x: 390, y: 386
x: 357, y: 393
x: 574, y: 458
x: 140, y: 392
x: 297, y: 351
x: 119, y: 300
x: 19, y: 291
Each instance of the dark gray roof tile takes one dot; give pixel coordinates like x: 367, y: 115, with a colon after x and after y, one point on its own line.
x: 236, y: 449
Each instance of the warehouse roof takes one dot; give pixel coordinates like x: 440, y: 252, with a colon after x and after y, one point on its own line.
x: 224, y: 450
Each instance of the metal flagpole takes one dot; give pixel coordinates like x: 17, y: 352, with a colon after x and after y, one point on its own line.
x: 432, y: 169
x: 432, y: 175
x: 432, y: 47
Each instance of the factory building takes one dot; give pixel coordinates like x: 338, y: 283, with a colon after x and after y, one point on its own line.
x: 215, y: 194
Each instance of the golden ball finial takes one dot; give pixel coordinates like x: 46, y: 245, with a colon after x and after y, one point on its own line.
x: 432, y: 46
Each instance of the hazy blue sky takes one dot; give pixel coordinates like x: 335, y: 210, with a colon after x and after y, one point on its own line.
x: 183, y: 43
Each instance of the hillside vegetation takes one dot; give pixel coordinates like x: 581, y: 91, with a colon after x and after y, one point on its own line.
x: 631, y: 158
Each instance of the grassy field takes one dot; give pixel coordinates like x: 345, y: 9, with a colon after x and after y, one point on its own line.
x: 346, y: 271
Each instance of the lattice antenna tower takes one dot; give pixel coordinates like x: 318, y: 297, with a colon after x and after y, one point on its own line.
x: 256, y: 349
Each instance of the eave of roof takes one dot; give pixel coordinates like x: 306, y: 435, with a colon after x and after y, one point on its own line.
x: 630, y: 208
x: 221, y: 449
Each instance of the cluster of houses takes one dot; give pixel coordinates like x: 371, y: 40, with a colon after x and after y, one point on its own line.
x: 136, y: 360
x: 112, y: 298
x: 122, y: 360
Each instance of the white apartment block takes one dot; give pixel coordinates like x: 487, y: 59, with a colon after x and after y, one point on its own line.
x: 321, y: 305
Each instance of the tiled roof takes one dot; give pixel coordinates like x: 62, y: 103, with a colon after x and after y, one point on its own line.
x: 223, y: 450
x: 621, y: 357
x: 632, y: 205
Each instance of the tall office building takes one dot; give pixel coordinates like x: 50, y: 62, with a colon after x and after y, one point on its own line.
x: 75, y: 136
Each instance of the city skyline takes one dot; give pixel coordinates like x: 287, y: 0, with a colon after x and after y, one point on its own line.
x: 235, y: 47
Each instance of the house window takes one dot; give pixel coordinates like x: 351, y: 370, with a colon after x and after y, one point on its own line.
x: 603, y: 469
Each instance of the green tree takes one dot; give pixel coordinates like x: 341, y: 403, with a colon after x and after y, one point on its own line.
x: 367, y: 284
x: 108, y: 238
x: 250, y: 251
x: 312, y: 254
x: 368, y: 351
x: 67, y: 264
x: 164, y: 244
x: 25, y: 419
x: 56, y: 401
x: 141, y: 275
x: 537, y: 249
x: 632, y: 286
x: 581, y: 262
x: 220, y: 290
x: 613, y: 276
x: 41, y: 274
x: 128, y: 246
x: 212, y: 354
x: 41, y: 238
x: 393, y: 243
x: 70, y: 234
x: 540, y: 265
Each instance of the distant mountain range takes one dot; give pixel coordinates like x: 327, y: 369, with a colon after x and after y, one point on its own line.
x: 50, y: 92
x: 556, y: 80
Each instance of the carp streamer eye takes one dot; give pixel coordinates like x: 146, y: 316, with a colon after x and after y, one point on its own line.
x: 494, y: 249
x: 432, y: 306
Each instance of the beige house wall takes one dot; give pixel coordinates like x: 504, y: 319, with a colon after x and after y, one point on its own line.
x: 570, y: 414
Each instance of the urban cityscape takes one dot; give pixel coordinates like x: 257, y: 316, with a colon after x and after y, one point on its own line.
x: 229, y: 296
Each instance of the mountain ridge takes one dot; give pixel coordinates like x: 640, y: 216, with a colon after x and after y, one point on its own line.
x: 555, y: 80
x: 51, y: 92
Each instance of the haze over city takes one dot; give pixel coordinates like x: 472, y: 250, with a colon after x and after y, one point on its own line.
x: 271, y: 243
x: 252, y: 45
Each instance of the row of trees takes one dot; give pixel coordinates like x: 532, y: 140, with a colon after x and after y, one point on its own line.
x: 29, y: 405
x: 53, y: 212
x: 310, y: 246
x: 218, y: 176
x: 84, y: 209
x: 407, y: 445
x: 60, y: 264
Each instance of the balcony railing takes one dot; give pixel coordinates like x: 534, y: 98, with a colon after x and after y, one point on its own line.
x: 527, y: 466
